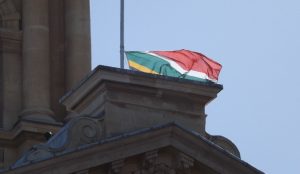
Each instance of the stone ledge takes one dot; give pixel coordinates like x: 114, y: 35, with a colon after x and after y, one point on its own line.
x: 15, y: 136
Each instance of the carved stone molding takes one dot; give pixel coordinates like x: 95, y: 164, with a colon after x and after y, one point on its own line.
x: 159, y: 168
x: 151, y: 165
x: 163, y: 169
x: 116, y: 167
x: 83, y: 172
x: 150, y: 159
x: 184, y: 161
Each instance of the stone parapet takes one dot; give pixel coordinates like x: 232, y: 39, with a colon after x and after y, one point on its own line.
x: 129, y: 100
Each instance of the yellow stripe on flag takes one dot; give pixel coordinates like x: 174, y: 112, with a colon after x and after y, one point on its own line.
x: 140, y: 67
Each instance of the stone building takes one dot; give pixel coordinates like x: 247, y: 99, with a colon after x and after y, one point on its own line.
x: 45, y: 50
x: 108, y: 120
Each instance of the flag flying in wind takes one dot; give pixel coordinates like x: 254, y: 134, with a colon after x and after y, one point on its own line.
x: 181, y: 63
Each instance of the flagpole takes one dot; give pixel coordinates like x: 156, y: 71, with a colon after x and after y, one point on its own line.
x: 122, y: 34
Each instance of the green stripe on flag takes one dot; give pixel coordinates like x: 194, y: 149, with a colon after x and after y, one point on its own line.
x: 196, y: 79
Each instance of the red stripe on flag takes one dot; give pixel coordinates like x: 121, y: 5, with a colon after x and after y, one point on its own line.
x: 190, y: 60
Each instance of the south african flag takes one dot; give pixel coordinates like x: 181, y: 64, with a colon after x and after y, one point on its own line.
x: 180, y: 63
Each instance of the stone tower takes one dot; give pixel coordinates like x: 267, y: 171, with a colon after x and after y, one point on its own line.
x: 44, y: 51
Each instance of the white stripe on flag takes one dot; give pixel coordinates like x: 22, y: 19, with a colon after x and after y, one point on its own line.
x: 181, y: 70
x: 200, y: 75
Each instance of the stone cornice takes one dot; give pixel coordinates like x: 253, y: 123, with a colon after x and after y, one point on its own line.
x: 102, y: 73
x: 14, y: 137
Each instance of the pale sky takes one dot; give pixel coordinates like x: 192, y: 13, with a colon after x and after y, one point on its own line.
x: 256, y: 41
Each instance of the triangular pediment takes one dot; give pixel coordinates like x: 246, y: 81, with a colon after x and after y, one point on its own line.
x: 174, y: 149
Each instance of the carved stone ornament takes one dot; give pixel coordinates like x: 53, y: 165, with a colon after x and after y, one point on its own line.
x: 150, y: 159
x: 184, y: 161
x: 82, y: 172
x: 77, y: 132
x: 152, y: 166
x: 159, y: 168
x: 116, y: 167
x: 163, y: 169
